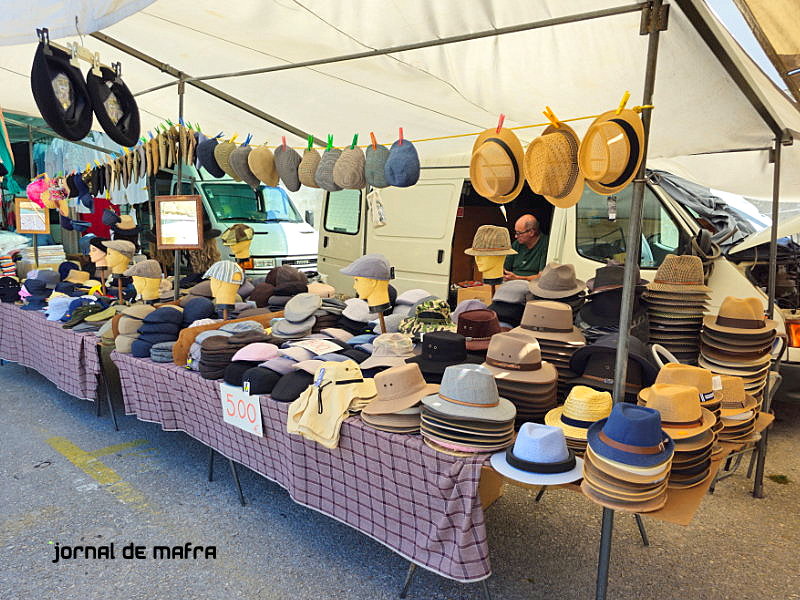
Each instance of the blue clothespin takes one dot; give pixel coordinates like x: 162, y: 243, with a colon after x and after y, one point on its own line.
x: 247, y: 139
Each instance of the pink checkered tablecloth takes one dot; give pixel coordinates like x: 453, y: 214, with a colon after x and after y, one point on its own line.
x: 422, y: 504
x: 66, y: 358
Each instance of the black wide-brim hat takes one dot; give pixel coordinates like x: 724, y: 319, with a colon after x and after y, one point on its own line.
x: 607, y: 344
x: 114, y: 106
x: 60, y: 93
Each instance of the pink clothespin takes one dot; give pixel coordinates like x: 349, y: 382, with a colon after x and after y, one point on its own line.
x: 500, y: 123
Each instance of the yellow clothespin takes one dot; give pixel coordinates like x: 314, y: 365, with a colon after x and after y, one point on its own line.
x: 548, y: 112
x: 639, y: 109
x: 97, y: 163
x: 127, y: 150
x: 88, y: 167
x: 233, y: 139
x: 623, y: 102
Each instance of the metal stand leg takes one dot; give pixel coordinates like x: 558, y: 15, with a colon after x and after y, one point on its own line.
x: 107, y: 391
x: 97, y: 404
x: 236, y: 479
x: 604, y: 559
x: 752, y: 463
x: 642, y: 530
x: 210, y: 463
x: 409, y: 576
x: 485, y: 587
x: 761, y: 449
x: 540, y: 493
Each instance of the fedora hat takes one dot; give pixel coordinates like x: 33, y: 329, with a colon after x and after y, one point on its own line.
x: 441, y: 349
x: 610, y: 277
x: 681, y: 413
x: 611, y: 151
x: 60, y: 93
x: 539, y: 456
x: 495, y: 168
x: 469, y: 391
x: 262, y: 164
x: 680, y: 274
x: 550, y: 320
x: 637, y: 353
x: 398, y: 388
x: 734, y: 399
x: 740, y: 316
x: 631, y: 435
x: 627, y: 473
x: 389, y: 350
x: 478, y: 327
x: 491, y: 240
x: 517, y: 357
x: 114, y: 105
x: 222, y: 154
x: 697, y: 377
x: 582, y: 407
x: 556, y: 281
x: 551, y: 166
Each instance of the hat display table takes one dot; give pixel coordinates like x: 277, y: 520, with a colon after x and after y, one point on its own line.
x: 422, y: 504
x: 66, y: 358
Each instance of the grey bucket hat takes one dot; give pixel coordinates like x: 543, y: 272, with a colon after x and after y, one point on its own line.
x: 375, y: 164
x: 287, y: 160
x: 301, y: 307
x: 348, y: 172
x: 324, y: 174
x: 370, y: 266
x: 308, y: 168
x: 238, y: 161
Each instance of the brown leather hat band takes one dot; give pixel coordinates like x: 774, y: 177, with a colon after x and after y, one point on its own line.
x: 513, y: 366
x: 632, y: 449
x: 740, y: 323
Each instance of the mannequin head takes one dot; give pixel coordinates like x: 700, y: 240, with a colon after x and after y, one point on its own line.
x: 97, y: 256
x: 491, y: 267
x: 241, y: 249
x: 147, y: 287
x: 374, y: 291
x: 117, y: 261
x: 224, y: 292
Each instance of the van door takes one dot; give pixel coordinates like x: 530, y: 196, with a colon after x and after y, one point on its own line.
x: 418, y: 233
x: 341, y: 236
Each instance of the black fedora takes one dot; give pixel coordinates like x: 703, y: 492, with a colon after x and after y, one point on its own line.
x: 114, y: 105
x: 60, y: 93
x: 441, y: 349
x: 607, y: 346
x: 610, y: 278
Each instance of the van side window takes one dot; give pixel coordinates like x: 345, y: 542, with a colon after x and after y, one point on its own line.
x: 343, y: 212
x: 602, y: 224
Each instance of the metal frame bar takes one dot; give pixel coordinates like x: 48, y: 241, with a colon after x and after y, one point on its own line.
x: 234, y: 473
x: 412, y: 568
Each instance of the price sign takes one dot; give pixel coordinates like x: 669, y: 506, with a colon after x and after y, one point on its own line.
x: 240, y: 409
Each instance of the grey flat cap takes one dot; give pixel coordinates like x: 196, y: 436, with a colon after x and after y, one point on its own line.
x: 238, y: 161
x: 122, y: 246
x: 375, y: 164
x: 301, y: 307
x: 287, y: 160
x: 226, y: 270
x: 146, y: 268
x: 324, y: 174
x: 371, y: 266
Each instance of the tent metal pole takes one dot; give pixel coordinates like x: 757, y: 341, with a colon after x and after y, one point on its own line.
x: 586, y: 16
x: 176, y: 267
x: 217, y: 93
x: 654, y: 20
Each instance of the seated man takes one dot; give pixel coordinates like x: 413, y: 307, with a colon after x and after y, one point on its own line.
x: 531, y: 246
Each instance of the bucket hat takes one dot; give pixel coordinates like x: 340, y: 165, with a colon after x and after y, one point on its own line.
x: 551, y: 166
x: 324, y: 175
x: 402, y: 165
x: 114, y: 106
x: 389, y: 350
x: 550, y: 320
x: 491, y: 240
x: 740, y: 316
x: 206, y: 158
x: 556, y: 281
x: 308, y: 168
x: 370, y: 266
x: 582, y: 407
x: 517, y: 357
x: 440, y: 349
x: 611, y: 151
x: 430, y: 316
x: 375, y: 164
x: 631, y: 435
x: 478, y: 327
x: 398, y: 388
x: 469, y: 391
x: 539, y: 456
x: 681, y: 275
x: 261, y: 162
x: 681, y: 413
x: 496, y: 165
x: 287, y: 160
x: 348, y: 172
x: 222, y: 154
x: 239, y: 161
x: 595, y: 364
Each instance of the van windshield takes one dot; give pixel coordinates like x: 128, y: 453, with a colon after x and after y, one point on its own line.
x: 237, y: 202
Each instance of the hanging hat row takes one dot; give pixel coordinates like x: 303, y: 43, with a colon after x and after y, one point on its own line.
x: 335, y: 169
x: 66, y: 100
x: 557, y: 163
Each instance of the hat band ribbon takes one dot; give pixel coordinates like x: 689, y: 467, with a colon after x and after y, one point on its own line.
x: 657, y: 449
x: 492, y: 249
x: 609, y: 381
x: 682, y: 424
x: 478, y: 339
x: 576, y: 422
x: 537, y: 467
x: 740, y: 323
x: 707, y: 396
x: 508, y: 151
x: 514, y: 366
x: 550, y: 329
x: 475, y: 404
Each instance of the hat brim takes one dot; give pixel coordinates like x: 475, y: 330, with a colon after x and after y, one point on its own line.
x: 517, y: 156
x: 379, y: 406
x: 553, y: 418
x: 627, y: 458
x: 541, y: 292
x: 546, y: 374
x: 572, y: 337
x: 500, y: 464
x: 125, y: 131
x: 504, y: 411
x: 627, y: 472
x: 626, y: 506
x: 704, y: 439
x: 384, y: 361
x: 750, y: 404
x: 710, y: 322
x: 456, y: 449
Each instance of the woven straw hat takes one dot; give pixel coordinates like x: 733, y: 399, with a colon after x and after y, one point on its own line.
x: 348, y: 172
x: 582, y: 407
x: 740, y: 316
x: 734, y: 398
x: 681, y: 413
x: 222, y: 154
x: 696, y: 377
x: 611, y: 151
x: 495, y: 168
x: 551, y: 166
x: 262, y: 163
x: 308, y: 168
x: 491, y: 240
x: 679, y: 274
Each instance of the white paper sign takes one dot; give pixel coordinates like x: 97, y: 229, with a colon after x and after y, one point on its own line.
x: 240, y: 409
x: 318, y: 346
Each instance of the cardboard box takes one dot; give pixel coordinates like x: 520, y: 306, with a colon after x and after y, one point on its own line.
x: 479, y: 292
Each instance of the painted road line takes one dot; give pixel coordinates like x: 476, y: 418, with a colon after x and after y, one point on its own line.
x: 117, y: 448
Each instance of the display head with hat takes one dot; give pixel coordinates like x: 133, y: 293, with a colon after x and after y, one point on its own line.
x: 490, y: 245
x: 226, y: 277
x: 371, y: 274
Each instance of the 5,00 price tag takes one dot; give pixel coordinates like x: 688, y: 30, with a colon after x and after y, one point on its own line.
x: 240, y: 409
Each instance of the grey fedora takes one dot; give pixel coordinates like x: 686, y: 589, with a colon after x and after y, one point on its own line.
x: 470, y: 392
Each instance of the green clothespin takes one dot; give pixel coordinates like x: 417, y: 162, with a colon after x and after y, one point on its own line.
x: 141, y: 139
x: 197, y: 126
x: 330, y: 142
x: 355, y: 141
x: 310, y: 141
x: 169, y: 123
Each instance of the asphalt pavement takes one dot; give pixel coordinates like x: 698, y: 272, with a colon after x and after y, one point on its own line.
x: 69, y: 479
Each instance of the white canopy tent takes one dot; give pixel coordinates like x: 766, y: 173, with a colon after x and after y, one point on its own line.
x: 578, y: 69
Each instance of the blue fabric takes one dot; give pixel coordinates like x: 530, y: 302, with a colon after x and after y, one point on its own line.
x: 402, y: 166
x: 364, y: 338
x: 632, y: 425
x: 141, y: 348
x: 166, y: 328
x: 198, y: 308
x: 165, y: 314
x: 156, y: 338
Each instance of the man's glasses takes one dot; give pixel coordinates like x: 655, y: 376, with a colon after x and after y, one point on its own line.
x: 519, y: 233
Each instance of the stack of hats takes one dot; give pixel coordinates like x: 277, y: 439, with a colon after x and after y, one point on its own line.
x: 196, y: 309
x: 388, y: 350
x: 429, y: 316
x: 676, y: 301
x: 628, y: 460
x: 193, y: 357
x: 35, y: 293
x: 509, y: 302
x: 162, y: 325
x: 396, y: 407
x: 739, y: 410
x: 559, y: 339
x: 246, y: 358
x: 217, y: 352
x: 128, y: 326
x: 558, y: 282
x: 442, y: 349
x: 93, y: 322
x: 478, y: 327
x: 9, y: 289
x: 467, y: 415
x: 600, y: 315
x: 583, y: 407
x: 162, y: 352
x: 595, y: 365
x: 738, y: 341
x: 515, y: 361
x: 689, y: 425
x: 355, y: 317
x: 299, y: 316
x: 702, y: 380
x: 285, y: 292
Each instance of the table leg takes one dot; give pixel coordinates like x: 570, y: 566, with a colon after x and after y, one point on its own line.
x: 642, y: 530
x: 540, y: 493
x: 97, y: 400
x: 758, y: 480
x: 235, y: 473
x: 210, y: 463
x: 604, y: 558
x: 412, y: 567
x: 485, y: 587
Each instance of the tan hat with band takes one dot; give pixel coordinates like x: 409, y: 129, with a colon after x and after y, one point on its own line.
x: 495, y: 168
x: 551, y: 166
x: 611, y: 151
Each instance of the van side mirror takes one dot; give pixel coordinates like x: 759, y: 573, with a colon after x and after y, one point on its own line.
x: 309, y: 218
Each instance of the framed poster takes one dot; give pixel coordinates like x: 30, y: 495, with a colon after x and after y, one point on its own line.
x: 31, y: 218
x: 179, y: 222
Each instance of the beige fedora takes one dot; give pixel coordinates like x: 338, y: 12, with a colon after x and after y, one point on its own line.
x: 681, y: 274
x: 681, y: 413
x: 550, y: 320
x: 551, y: 166
x: 629, y: 473
x: 734, y: 399
x: 611, y: 151
x: 517, y: 357
x: 741, y: 316
x: 495, y: 168
x: 491, y: 240
x: 696, y: 377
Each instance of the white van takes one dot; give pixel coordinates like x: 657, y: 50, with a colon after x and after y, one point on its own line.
x: 428, y: 227
x: 282, y: 235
